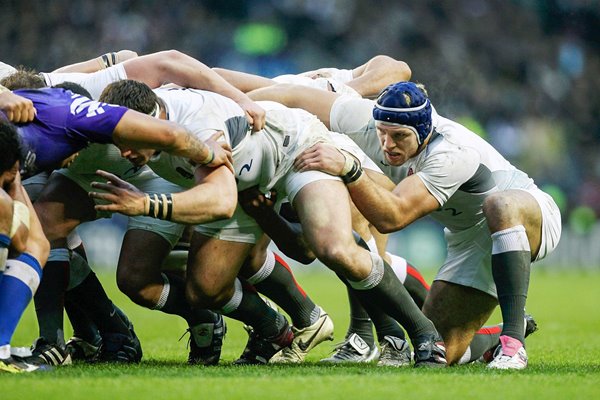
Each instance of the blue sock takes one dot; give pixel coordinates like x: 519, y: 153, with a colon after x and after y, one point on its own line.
x: 21, y: 279
x: 4, y: 243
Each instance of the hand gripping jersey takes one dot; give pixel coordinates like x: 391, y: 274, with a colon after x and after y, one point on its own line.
x: 65, y: 123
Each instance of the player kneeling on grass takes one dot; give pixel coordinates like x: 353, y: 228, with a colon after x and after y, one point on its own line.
x: 497, y: 220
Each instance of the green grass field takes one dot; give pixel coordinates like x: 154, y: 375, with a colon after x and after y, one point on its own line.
x: 564, y: 358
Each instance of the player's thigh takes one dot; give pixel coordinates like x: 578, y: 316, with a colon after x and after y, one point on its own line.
x: 324, y: 210
x: 509, y: 208
x: 141, y: 257
x: 213, y: 263
x: 62, y: 206
x: 457, y: 312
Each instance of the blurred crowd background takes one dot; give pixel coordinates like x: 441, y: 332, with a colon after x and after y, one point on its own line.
x: 524, y: 74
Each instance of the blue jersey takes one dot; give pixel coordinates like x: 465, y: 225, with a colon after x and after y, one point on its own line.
x: 65, y: 123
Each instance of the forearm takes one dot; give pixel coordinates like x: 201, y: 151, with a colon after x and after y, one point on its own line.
x: 213, y: 198
x: 172, y: 66
x: 315, y: 101
x: 189, y: 146
x: 201, y: 204
x: 243, y: 81
x: 377, y: 204
x: 98, y: 63
x: 140, y: 131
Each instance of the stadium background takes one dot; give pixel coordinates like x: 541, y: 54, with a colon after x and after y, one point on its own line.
x: 524, y: 74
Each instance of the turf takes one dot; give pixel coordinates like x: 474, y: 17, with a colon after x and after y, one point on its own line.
x: 564, y: 358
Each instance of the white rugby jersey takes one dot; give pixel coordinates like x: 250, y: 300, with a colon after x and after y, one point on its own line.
x: 335, y: 80
x: 6, y: 70
x: 458, y: 167
x: 94, y: 82
x: 203, y: 113
x: 259, y: 158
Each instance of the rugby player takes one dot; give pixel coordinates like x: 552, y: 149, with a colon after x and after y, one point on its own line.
x: 138, y: 265
x: 47, y: 141
x: 366, y: 80
x: 271, y: 153
x: 23, y: 248
x: 497, y: 221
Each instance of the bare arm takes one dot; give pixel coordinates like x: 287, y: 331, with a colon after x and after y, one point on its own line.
x: 379, y: 72
x: 243, y: 81
x: 98, y: 63
x: 315, y: 101
x: 214, y: 197
x: 175, y: 67
x: 141, y: 131
x: 392, y: 211
x: 387, y: 207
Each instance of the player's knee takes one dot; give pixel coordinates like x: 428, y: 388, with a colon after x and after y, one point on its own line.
x: 337, y: 256
x: 206, y: 296
x: 133, y: 287
x: 500, y: 209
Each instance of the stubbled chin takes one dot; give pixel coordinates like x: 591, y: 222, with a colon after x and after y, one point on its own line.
x: 394, y: 161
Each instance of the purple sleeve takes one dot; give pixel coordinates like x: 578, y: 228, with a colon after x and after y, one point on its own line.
x: 92, y: 120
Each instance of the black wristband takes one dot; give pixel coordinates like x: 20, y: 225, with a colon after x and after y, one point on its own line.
x: 354, y: 173
x: 169, y: 206
x: 159, y: 211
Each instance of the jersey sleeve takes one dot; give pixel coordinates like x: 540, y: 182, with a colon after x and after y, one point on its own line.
x: 445, y: 171
x: 350, y: 114
x: 94, y: 82
x: 93, y: 121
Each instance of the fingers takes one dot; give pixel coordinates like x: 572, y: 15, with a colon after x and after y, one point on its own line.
x: 17, y: 109
x: 108, y: 187
x: 256, y: 118
x: 113, y: 208
x: 217, y: 135
x: 112, y: 178
x: 103, y: 196
x: 225, y: 146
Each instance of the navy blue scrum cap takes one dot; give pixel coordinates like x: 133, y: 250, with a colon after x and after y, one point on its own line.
x: 404, y: 104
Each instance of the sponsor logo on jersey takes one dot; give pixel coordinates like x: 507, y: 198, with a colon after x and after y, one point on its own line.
x: 92, y: 108
x: 246, y: 167
x: 410, y: 171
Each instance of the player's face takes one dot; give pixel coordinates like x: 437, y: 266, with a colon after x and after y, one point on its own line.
x: 8, y: 176
x: 398, y: 143
x: 137, y: 157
